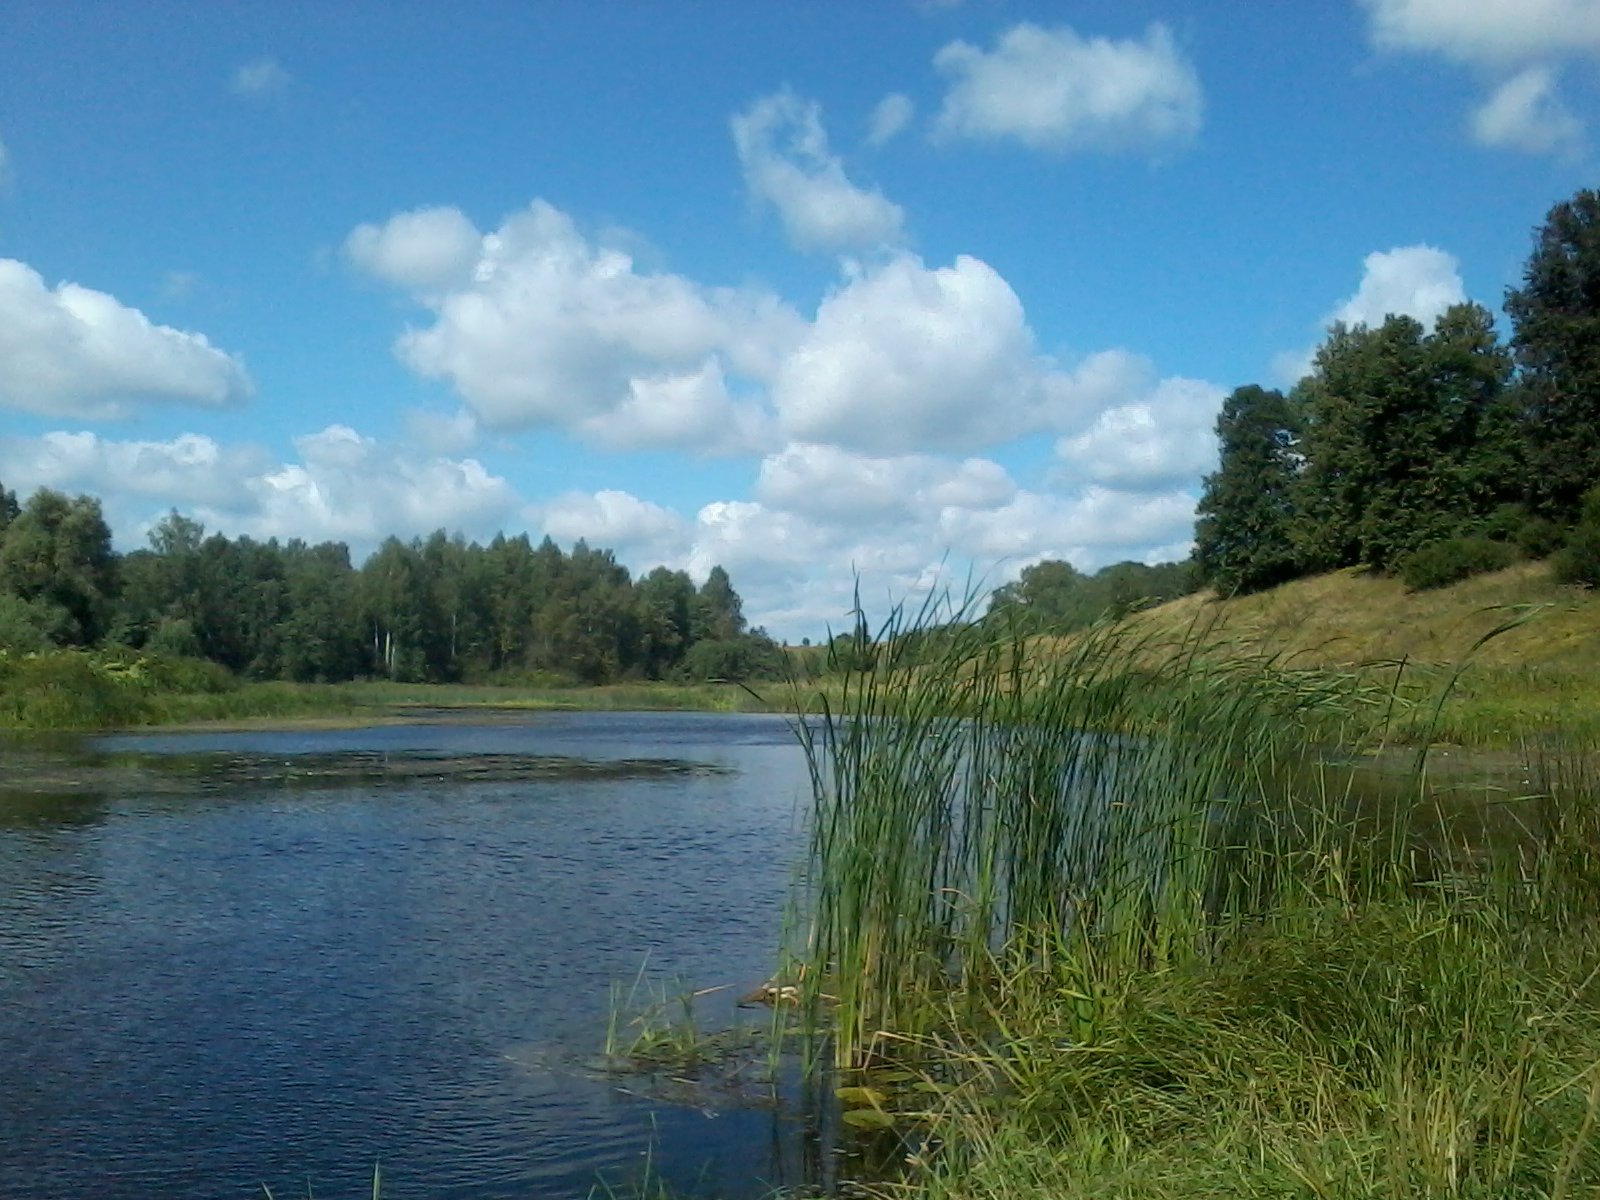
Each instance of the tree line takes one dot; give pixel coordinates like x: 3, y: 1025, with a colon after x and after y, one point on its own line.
x: 1425, y: 452
x: 435, y: 609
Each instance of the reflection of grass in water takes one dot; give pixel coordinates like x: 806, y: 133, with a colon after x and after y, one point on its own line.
x: 1137, y: 946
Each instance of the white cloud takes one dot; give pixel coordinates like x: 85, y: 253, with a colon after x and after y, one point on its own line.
x: 189, y: 471
x: 1517, y: 43
x: 784, y: 154
x: 261, y: 78
x: 825, y: 483
x: 1487, y: 32
x: 426, y: 249
x: 550, y: 329
x: 1413, y: 281
x: 891, y: 115
x: 343, y: 487
x: 1163, y: 439
x: 75, y: 352
x: 642, y: 533
x: 903, y: 357
x: 1097, y: 527
x: 692, y: 410
x: 1051, y: 89
x: 1525, y: 114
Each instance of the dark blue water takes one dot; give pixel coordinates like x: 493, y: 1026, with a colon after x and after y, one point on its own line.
x: 207, y: 985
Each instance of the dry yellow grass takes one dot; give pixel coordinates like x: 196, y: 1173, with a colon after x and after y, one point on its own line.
x: 1534, y: 682
x: 1352, y: 617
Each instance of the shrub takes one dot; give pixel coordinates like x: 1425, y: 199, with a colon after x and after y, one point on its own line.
x: 1452, y: 560
x: 1539, y: 537
x: 1579, y: 561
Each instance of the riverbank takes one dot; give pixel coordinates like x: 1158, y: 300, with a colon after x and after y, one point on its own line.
x: 1193, y: 960
x: 74, y: 690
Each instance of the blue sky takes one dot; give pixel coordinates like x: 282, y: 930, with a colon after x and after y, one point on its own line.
x: 817, y: 290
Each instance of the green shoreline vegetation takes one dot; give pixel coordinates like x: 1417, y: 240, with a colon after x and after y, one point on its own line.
x: 1119, y: 932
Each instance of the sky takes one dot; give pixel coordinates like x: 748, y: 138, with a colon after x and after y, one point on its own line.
x: 851, y: 298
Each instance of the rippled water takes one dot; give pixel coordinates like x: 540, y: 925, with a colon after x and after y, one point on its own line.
x: 222, y: 969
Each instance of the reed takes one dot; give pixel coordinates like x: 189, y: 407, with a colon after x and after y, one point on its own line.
x: 1103, y: 896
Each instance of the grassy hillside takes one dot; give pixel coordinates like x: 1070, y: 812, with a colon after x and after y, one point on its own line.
x: 1537, y: 680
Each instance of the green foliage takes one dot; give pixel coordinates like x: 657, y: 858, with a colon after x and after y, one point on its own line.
x: 1407, y: 438
x: 1579, y: 560
x: 1246, y: 513
x: 1135, y: 941
x: 56, y: 554
x: 1052, y: 595
x: 1555, y: 317
x: 734, y: 660
x: 436, y: 610
x: 1440, y: 564
x: 24, y: 627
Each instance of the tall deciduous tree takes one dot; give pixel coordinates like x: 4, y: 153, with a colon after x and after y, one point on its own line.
x: 1401, y: 428
x: 1555, y: 318
x: 1243, y: 538
x: 56, y: 555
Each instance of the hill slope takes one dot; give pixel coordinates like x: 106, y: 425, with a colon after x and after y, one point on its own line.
x: 1353, y: 616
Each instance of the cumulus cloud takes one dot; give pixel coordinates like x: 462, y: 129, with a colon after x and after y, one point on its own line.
x: 640, y: 531
x: 1052, y: 89
x: 1517, y: 44
x: 259, y: 79
x: 70, y: 351
x: 546, y: 328
x: 1492, y: 32
x: 1162, y: 439
x: 783, y: 151
x: 1525, y: 114
x: 426, y: 249
x: 891, y: 115
x: 188, y: 471
x: 904, y: 357
x: 826, y: 483
x: 343, y: 486
x: 1413, y: 281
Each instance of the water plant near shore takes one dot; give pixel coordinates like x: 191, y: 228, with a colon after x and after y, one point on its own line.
x: 1140, y: 942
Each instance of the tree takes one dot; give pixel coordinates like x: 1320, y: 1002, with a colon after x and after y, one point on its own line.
x: 719, y: 613
x: 1397, y: 438
x: 56, y: 555
x: 8, y: 508
x: 1555, y: 317
x: 1243, y: 538
x: 1047, y: 593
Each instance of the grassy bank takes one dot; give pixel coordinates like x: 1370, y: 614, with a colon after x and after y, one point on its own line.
x: 1118, y: 932
x: 1537, y: 681
x: 70, y: 689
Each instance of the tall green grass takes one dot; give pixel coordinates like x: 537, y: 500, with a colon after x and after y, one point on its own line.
x: 1106, y: 900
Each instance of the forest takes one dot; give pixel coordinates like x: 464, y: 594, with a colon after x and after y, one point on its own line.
x: 439, y: 609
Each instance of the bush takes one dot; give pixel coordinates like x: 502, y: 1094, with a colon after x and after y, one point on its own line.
x: 1452, y: 560
x: 1579, y: 561
x: 1539, y: 537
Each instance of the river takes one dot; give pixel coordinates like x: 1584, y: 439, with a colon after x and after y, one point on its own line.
x: 242, y: 960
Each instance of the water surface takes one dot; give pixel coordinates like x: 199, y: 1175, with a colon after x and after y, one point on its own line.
x: 247, y: 958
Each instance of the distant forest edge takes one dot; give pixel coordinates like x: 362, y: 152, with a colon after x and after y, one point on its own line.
x: 1431, y: 454
x: 434, y: 610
